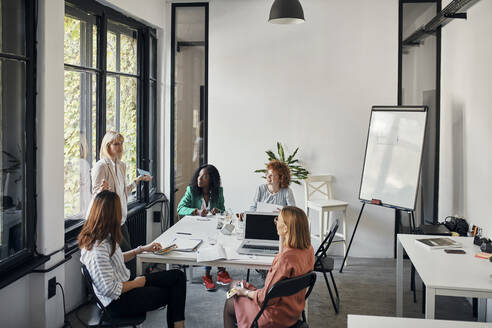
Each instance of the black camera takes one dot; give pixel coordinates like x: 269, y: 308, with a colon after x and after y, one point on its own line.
x: 479, y: 241
x: 486, y: 246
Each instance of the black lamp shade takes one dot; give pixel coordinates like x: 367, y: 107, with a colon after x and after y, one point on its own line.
x: 286, y: 12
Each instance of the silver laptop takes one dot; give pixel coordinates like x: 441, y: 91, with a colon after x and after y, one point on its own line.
x: 260, y: 234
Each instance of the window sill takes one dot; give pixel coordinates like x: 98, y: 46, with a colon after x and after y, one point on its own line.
x: 13, y: 275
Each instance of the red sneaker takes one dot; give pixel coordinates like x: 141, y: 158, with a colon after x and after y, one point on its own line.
x: 223, y: 278
x: 209, y: 284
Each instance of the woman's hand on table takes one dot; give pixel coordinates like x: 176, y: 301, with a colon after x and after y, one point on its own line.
x: 153, y: 247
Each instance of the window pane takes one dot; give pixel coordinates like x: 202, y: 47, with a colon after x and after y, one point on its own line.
x: 121, y: 115
x: 79, y: 135
x: 121, y: 49
x: 12, y: 25
x: 80, y: 41
x: 12, y: 186
x: 111, y: 51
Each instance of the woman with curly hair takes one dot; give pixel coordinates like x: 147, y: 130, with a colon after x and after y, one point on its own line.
x: 276, y: 191
x: 205, y: 195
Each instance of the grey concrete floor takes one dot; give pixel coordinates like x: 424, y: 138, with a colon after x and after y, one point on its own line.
x: 366, y: 286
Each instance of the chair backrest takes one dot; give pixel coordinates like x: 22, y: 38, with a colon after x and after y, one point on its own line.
x: 318, y: 185
x: 323, y: 248
x: 89, y: 282
x: 288, y: 287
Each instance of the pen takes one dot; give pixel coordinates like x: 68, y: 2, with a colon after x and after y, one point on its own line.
x: 183, y: 233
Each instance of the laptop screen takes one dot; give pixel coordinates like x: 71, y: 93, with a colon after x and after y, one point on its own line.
x: 260, y: 226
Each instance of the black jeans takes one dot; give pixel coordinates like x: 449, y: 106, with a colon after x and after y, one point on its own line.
x: 126, y: 246
x: 161, y: 288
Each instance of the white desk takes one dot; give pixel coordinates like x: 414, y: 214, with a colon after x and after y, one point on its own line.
x: 365, y: 321
x: 203, y: 230
x: 444, y: 274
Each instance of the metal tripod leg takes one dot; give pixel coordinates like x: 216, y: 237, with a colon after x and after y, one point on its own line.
x: 352, y: 238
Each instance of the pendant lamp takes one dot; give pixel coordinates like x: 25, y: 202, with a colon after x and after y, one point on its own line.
x: 286, y: 12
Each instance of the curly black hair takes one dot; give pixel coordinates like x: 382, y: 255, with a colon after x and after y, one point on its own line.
x: 214, y: 181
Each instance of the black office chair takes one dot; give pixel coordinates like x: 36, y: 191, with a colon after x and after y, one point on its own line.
x: 288, y: 287
x: 97, y: 315
x: 325, y: 264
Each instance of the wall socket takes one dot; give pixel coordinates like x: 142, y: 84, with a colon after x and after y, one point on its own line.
x: 51, y: 287
x: 157, y: 216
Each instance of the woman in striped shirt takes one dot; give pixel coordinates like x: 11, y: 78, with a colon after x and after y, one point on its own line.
x: 99, y: 242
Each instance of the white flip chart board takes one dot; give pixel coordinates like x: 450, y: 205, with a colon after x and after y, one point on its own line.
x: 391, y: 171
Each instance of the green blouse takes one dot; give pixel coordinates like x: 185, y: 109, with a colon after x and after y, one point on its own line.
x: 190, y: 202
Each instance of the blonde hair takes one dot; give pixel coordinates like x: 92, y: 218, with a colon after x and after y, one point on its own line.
x: 109, y: 138
x: 297, y: 226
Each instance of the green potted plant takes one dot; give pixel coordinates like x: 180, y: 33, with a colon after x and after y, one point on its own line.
x: 297, y: 172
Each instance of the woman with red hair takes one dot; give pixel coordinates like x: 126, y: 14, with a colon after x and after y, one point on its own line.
x: 276, y: 191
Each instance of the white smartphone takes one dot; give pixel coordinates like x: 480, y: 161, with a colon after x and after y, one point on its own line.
x: 143, y: 172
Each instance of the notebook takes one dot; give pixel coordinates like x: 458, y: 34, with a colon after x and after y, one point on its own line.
x: 438, y: 243
x: 186, y: 244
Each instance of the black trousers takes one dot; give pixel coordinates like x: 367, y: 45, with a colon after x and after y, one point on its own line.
x: 126, y: 246
x: 161, y: 288
x: 125, y: 241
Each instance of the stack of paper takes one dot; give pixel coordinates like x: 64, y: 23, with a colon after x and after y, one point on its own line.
x: 212, y: 253
x: 268, y: 208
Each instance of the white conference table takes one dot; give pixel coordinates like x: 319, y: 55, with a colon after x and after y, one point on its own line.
x: 205, y: 229
x: 444, y: 274
x: 366, y: 321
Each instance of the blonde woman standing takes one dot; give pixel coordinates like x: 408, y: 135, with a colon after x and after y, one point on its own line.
x: 109, y: 173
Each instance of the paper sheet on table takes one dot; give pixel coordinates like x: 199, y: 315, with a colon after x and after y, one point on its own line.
x: 268, y: 208
x: 212, y: 253
x: 232, y: 254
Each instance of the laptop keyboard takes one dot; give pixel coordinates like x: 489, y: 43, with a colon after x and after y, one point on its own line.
x: 273, y: 248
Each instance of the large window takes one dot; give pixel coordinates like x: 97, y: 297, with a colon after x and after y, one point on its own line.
x: 121, y: 90
x: 107, y: 87
x: 17, y: 145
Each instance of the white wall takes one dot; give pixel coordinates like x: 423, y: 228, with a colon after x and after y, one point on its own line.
x: 310, y: 85
x: 150, y: 12
x: 466, y: 117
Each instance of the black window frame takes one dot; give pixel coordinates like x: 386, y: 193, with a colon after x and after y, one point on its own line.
x: 104, y: 14
x: 22, y: 262
x: 204, y: 98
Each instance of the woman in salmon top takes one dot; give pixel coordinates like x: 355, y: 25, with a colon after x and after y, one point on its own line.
x: 295, y: 258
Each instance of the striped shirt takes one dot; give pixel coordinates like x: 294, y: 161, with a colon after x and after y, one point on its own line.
x: 284, y: 197
x: 108, y: 272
